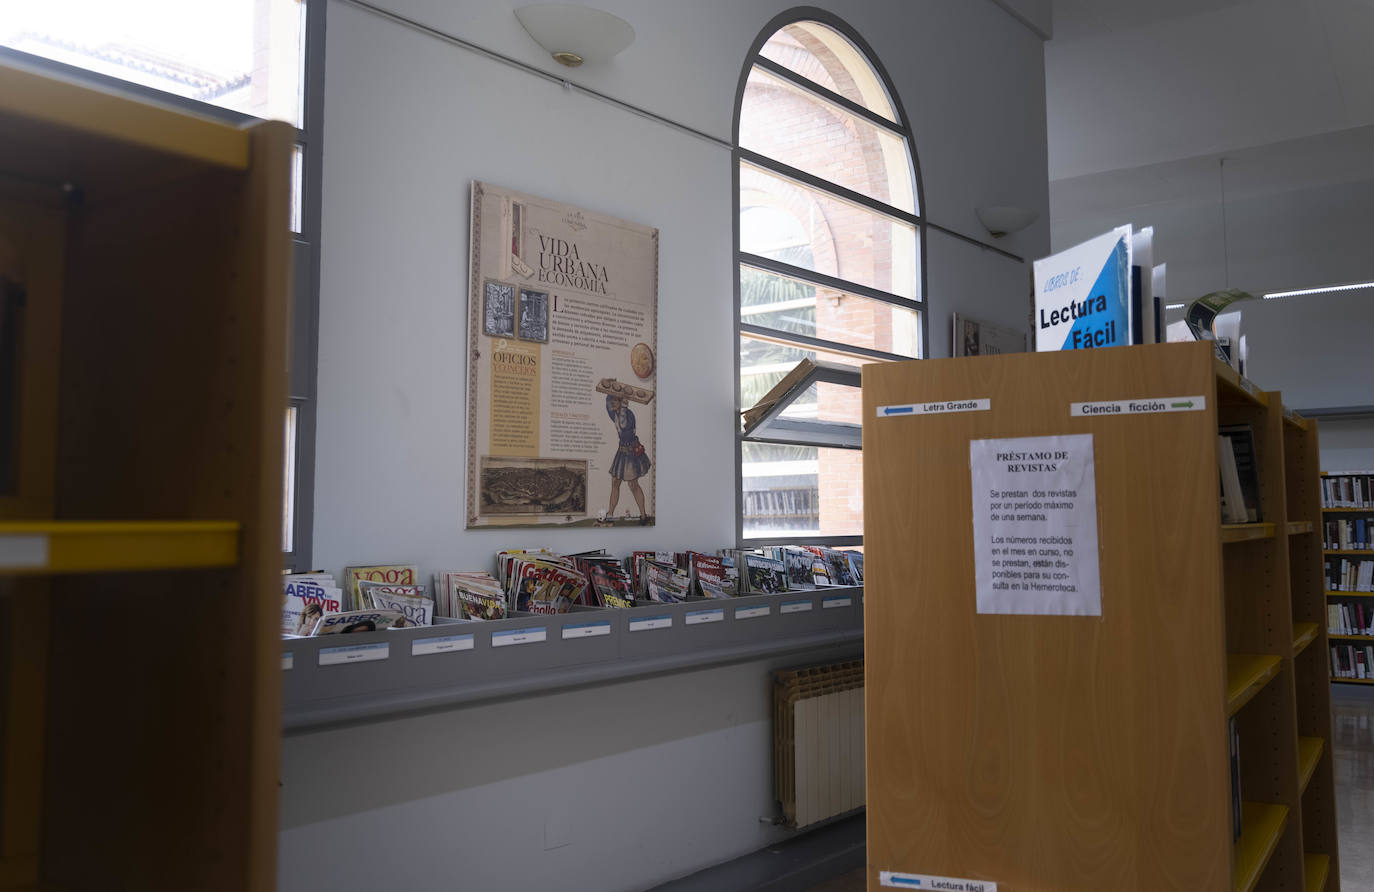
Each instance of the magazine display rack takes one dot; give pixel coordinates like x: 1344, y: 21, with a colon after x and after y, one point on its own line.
x: 144, y: 259
x: 329, y: 682
x: 1094, y: 752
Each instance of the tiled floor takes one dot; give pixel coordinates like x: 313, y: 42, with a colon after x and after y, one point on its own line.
x: 1352, y: 712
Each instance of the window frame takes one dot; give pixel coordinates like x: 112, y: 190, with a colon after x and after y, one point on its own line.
x: 739, y: 156
x: 305, y: 300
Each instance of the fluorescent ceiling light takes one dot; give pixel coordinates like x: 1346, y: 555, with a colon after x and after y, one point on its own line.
x: 1329, y: 288
x: 1174, y: 306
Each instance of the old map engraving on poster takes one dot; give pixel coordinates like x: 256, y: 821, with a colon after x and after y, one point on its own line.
x: 562, y: 365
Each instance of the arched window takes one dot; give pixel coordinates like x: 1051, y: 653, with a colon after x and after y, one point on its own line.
x: 828, y: 243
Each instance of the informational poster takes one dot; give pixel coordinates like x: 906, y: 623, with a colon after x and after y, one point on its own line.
x: 975, y: 338
x: 1035, y: 525
x: 1083, y: 295
x: 562, y: 365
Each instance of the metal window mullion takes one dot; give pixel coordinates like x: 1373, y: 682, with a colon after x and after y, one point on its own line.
x: 811, y: 277
x: 801, y: 340
x: 812, y: 181
x: 802, y: 82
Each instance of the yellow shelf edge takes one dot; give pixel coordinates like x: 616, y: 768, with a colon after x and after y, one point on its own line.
x: 1238, y: 384
x: 87, y: 109
x: 1315, y: 870
x: 1246, y: 676
x: 1303, y: 635
x: 1331, y: 594
x: 1261, y: 825
x: 1309, y: 755
x: 1350, y: 637
x: 1348, y: 510
x: 1345, y: 551
x: 40, y: 547
x: 1245, y: 532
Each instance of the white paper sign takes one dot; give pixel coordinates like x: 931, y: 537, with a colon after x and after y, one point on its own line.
x: 288, y: 660
x: 510, y: 638
x: 23, y: 550
x: 1139, y: 407
x: 832, y: 601
x: 586, y: 630
x: 925, y: 881
x: 751, y: 612
x: 354, y: 653
x: 446, y: 644
x: 697, y: 617
x: 794, y: 607
x: 650, y: 623
x: 1035, y: 526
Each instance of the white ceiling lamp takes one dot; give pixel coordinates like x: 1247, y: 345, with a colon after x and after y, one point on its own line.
x: 576, y: 34
x: 1000, y: 220
x: 1354, y: 286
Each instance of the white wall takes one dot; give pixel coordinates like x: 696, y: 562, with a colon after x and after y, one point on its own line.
x: 655, y: 778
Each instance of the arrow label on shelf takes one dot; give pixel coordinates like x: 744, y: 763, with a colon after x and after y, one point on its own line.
x: 898, y: 880
x: 939, y: 407
x: 1147, y: 406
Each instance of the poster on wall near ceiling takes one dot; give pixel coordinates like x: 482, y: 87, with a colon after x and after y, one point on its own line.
x: 562, y: 365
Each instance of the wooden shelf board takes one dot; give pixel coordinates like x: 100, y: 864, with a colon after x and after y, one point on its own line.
x: 1293, y: 419
x: 1309, y: 754
x: 84, y: 109
x: 1315, y: 869
x: 1353, y: 680
x: 1350, y: 637
x: 1298, y: 527
x: 1369, y: 510
x: 1231, y: 387
x: 1303, y: 635
x: 1331, y: 594
x: 1244, y: 532
x: 1246, y: 676
x: 1261, y: 825
x: 102, y: 546
x: 1347, y: 551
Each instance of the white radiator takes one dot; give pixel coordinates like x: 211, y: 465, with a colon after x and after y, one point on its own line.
x: 818, y: 733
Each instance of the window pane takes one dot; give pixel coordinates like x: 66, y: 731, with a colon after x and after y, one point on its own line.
x: 824, y: 401
x: 842, y: 240
x: 763, y: 363
x: 297, y: 183
x: 288, y: 509
x: 801, y: 491
x: 244, y: 55
x: 798, y: 128
x: 790, y: 305
x: 825, y: 57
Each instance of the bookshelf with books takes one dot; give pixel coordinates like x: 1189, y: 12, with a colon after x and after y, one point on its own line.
x: 144, y: 258
x: 1077, y: 752
x: 1347, y: 531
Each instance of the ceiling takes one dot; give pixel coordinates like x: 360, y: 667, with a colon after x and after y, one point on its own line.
x: 1131, y: 83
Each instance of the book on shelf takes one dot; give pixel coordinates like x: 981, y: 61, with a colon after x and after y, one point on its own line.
x: 1349, y: 574
x: 1232, y: 497
x: 1354, y: 618
x: 1348, y: 489
x: 396, y: 574
x: 1348, y: 534
x: 351, y: 621
x: 1352, y: 660
x: 1242, y: 441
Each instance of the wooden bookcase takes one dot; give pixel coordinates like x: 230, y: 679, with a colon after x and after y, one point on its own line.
x: 1059, y: 753
x: 1343, y: 597
x: 145, y: 256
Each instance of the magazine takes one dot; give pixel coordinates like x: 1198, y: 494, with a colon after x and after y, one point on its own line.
x: 306, y: 598
x: 417, y: 609
x: 766, y: 575
x: 360, y: 621
x: 609, y: 584
x: 397, y: 574
x: 801, y: 567
x: 367, y: 587
x: 706, y: 575
x: 662, y: 582
x: 475, y: 598
x: 544, y: 585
